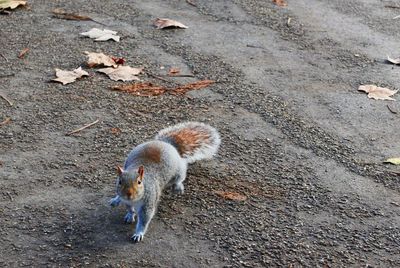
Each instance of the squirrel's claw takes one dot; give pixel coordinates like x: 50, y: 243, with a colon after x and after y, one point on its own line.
x: 115, y: 201
x: 129, y: 217
x: 137, y: 238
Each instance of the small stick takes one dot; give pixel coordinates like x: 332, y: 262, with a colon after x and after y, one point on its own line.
x: 181, y: 75
x: 396, y: 17
x: 4, y: 57
x: 392, y: 6
x: 288, y: 21
x: 82, y: 128
x: 6, y: 99
x: 190, y: 2
x: 162, y: 79
x: 6, y: 75
x: 391, y: 109
x: 23, y: 52
x: 8, y: 120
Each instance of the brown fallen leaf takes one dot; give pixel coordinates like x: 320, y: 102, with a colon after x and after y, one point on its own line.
x: 231, y: 195
x: 99, y: 59
x: 378, y: 93
x: 11, y: 4
x: 66, y: 77
x: 62, y: 14
x: 124, y: 73
x: 181, y: 90
x: 281, y: 3
x: 167, y: 23
x: 394, y: 61
x: 150, y: 89
x: 174, y: 71
x: 23, y: 52
x: 142, y: 89
x: 116, y: 131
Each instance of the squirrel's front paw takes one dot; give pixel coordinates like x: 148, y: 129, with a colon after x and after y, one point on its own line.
x: 115, y: 201
x: 137, y: 237
x: 129, y: 217
x: 178, y: 188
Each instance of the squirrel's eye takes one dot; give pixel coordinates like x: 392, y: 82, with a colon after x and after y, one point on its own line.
x: 139, y: 182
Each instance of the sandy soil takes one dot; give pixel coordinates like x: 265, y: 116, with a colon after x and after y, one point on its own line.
x: 299, y: 140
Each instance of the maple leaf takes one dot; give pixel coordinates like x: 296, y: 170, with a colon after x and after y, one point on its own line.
x: 101, y: 35
x: 281, y: 3
x: 124, y: 73
x: 11, y: 4
x: 394, y: 61
x: 142, y: 89
x: 66, y: 77
x: 231, y: 195
x: 167, y: 23
x: 378, y: 93
x: 96, y: 59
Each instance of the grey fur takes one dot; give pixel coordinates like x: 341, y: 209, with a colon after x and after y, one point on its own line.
x: 170, y: 171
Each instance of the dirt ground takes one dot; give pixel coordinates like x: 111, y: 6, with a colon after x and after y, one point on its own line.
x: 299, y: 140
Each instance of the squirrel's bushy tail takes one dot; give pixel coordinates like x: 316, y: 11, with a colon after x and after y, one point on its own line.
x: 193, y: 140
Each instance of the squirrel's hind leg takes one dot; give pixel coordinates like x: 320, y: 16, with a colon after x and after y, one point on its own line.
x: 180, y: 177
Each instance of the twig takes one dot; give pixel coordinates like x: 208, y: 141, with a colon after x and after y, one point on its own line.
x: 6, y: 99
x: 253, y: 46
x: 6, y: 75
x: 180, y: 75
x: 288, y: 21
x: 392, y: 6
x: 23, y: 52
x: 162, y: 79
x: 8, y: 120
x: 4, y: 57
x: 391, y: 109
x: 190, y: 2
x: 5, y: 12
x: 82, y: 128
x: 396, y: 17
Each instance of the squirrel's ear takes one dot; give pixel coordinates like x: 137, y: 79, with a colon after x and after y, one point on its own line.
x: 141, y: 172
x: 119, y: 170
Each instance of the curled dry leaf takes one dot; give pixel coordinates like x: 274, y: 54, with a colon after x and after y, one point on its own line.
x: 231, y: 195
x: 142, y: 89
x: 11, y: 4
x: 61, y: 14
x: 116, y: 131
x: 394, y: 161
x: 281, y: 3
x: 394, y: 61
x: 101, y: 35
x: 378, y: 93
x: 181, y: 90
x: 124, y: 73
x: 66, y: 77
x: 99, y: 59
x: 167, y: 23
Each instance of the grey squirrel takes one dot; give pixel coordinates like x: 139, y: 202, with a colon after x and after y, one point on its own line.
x: 152, y: 166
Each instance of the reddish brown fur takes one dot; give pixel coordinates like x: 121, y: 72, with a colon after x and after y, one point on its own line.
x: 189, y: 140
x: 151, y: 154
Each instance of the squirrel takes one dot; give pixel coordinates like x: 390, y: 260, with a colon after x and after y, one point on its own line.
x: 154, y: 165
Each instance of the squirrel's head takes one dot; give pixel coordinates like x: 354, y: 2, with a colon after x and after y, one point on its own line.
x: 130, y: 184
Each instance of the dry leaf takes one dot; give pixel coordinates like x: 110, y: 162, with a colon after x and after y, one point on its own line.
x: 101, y: 35
x: 281, y: 3
x: 378, y: 93
x: 167, y: 23
x: 124, y: 73
x: 116, y: 131
x: 11, y: 4
x: 96, y: 59
x: 394, y: 161
x: 231, y: 195
x: 23, y: 52
x: 66, y: 77
x: 61, y: 14
x: 181, y: 90
x: 394, y: 61
x: 142, y: 89
x: 174, y: 71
